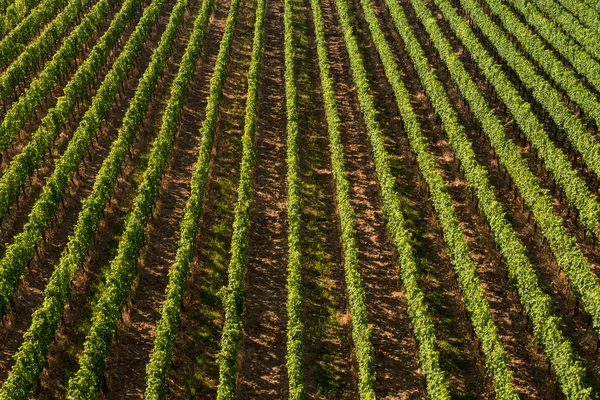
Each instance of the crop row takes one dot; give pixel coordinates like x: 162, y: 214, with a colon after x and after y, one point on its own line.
x: 536, y: 304
x: 457, y: 247
x: 25, y: 163
x: 566, y: 79
x: 157, y: 369
x: 20, y: 252
x: 30, y: 358
x: 556, y: 14
x: 582, y: 140
x: 16, y: 40
x: 108, y: 310
x: 555, y: 160
x: 585, y: 14
x: 422, y: 325
x: 361, y: 332
x: 14, y: 13
x: 22, y: 110
x: 295, y: 325
x: 233, y: 295
x: 40, y: 48
x: 585, y: 284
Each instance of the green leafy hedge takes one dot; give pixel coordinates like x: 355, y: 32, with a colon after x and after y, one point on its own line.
x: 16, y: 40
x: 584, y: 282
x: 108, y: 310
x: 233, y: 296
x: 20, y: 252
x: 537, y: 305
x: 295, y: 325
x: 29, y: 359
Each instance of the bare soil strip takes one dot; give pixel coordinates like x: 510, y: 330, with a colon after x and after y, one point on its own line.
x: 554, y: 282
x: 18, y: 214
x: 195, y: 372
x: 262, y: 371
x: 328, y: 367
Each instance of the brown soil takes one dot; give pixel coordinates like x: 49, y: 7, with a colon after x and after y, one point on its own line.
x: 195, y: 372
x: 328, y: 366
x: 262, y: 352
x: 17, y: 215
x: 30, y: 292
x: 397, y: 368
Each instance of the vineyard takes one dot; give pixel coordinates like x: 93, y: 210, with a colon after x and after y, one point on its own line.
x: 321, y: 199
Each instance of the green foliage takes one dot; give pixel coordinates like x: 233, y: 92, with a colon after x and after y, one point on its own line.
x: 547, y: 25
x: 15, y: 12
x: 21, y: 251
x: 587, y: 15
x: 295, y: 326
x: 555, y: 160
x: 39, y: 48
x: 29, y: 360
x: 361, y: 332
x: 536, y: 48
x: 25, y: 163
x: 22, y: 110
x: 582, y: 140
x: 233, y: 294
x: 584, y: 282
x: 16, y: 40
x: 157, y: 369
x: 537, y: 305
x: 458, y: 250
x: 424, y: 331
x: 86, y: 381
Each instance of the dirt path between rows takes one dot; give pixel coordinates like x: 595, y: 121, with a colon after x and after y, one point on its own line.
x: 397, y: 368
x: 195, y: 372
x: 262, y: 371
x: 329, y: 371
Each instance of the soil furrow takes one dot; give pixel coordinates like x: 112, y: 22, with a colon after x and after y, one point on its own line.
x: 397, y: 367
x: 18, y: 213
x: 262, y: 352
x: 327, y: 362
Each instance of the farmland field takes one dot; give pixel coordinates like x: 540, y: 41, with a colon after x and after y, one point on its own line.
x: 321, y: 199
